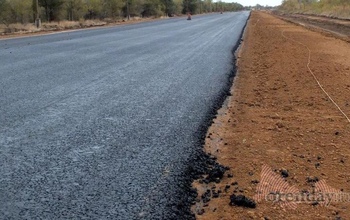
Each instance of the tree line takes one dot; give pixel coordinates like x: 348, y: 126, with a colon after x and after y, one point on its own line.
x: 25, y: 11
x: 330, y: 7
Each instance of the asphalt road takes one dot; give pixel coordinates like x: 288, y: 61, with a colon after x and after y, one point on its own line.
x: 101, y: 123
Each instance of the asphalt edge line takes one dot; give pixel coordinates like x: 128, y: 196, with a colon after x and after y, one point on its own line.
x: 200, y: 163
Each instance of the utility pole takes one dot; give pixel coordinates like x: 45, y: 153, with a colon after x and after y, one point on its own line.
x: 127, y: 9
x: 37, y: 19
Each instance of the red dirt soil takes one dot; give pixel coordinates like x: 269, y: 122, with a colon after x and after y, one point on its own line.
x: 280, y: 118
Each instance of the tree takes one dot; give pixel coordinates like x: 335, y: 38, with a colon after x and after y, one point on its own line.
x: 15, y: 11
x: 74, y: 9
x: 113, y: 8
x: 169, y: 7
x: 5, y: 17
x: 135, y: 7
x: 152, y: 8
x: 94, y: 9
x: 189, y: 6
x: 290, y: 5
x: 52, y: 8
x: 207, y: 6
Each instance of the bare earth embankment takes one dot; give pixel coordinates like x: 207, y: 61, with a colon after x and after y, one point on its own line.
x: 330, y: 26
x: 279, y: 118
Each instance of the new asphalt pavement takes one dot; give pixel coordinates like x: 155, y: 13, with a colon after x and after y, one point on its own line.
x: 102, y: 123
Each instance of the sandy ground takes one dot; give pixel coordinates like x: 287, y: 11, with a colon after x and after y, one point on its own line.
x: 281, y: 122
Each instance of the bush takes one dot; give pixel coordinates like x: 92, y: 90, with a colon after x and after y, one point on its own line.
x: 335, y: 8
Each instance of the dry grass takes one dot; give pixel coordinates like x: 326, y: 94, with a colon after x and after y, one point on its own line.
x: 339, y: 12
x: 66, y: 25
x: 92, y: 23
x: 60, y: 25
x: 18, y: 28
x: 2, y: 28
x: 52, y: 26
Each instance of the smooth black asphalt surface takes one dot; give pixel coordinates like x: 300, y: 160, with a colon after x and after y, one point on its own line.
x: 101, y: 123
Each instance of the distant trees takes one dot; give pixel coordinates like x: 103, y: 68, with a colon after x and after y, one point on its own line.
x: 93, y: 9
x: 4, y: 12
x: 169, y: 7
x: 24, y: 11
x: 331, y: 7
x: 342, y: 3
x: 153, y: 8
x: 52, y: 8
x: 15, y: 11
x: 113, y: 8
x: 207, y: 6
x: 74, y: 9
x: 177, y: 6
x: 189, y: 6
x: 290, y: 5
x: 231, y: 6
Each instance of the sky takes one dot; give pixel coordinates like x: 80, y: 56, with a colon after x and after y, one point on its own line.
x: 254, y: 2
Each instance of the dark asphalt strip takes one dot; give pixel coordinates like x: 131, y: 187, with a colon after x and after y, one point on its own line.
x: 201, y: 163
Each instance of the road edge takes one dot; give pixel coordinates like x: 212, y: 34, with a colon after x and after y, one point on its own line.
x: 201, y: 163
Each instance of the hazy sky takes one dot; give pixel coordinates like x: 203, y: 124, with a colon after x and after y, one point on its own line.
x: 254, y: 2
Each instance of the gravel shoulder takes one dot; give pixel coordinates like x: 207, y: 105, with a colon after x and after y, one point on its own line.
x: 279, y: 120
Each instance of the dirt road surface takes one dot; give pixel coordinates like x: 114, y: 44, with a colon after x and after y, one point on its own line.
x: 281, y: 120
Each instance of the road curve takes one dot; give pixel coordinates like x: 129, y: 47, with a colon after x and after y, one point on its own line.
x: 101, y: 123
